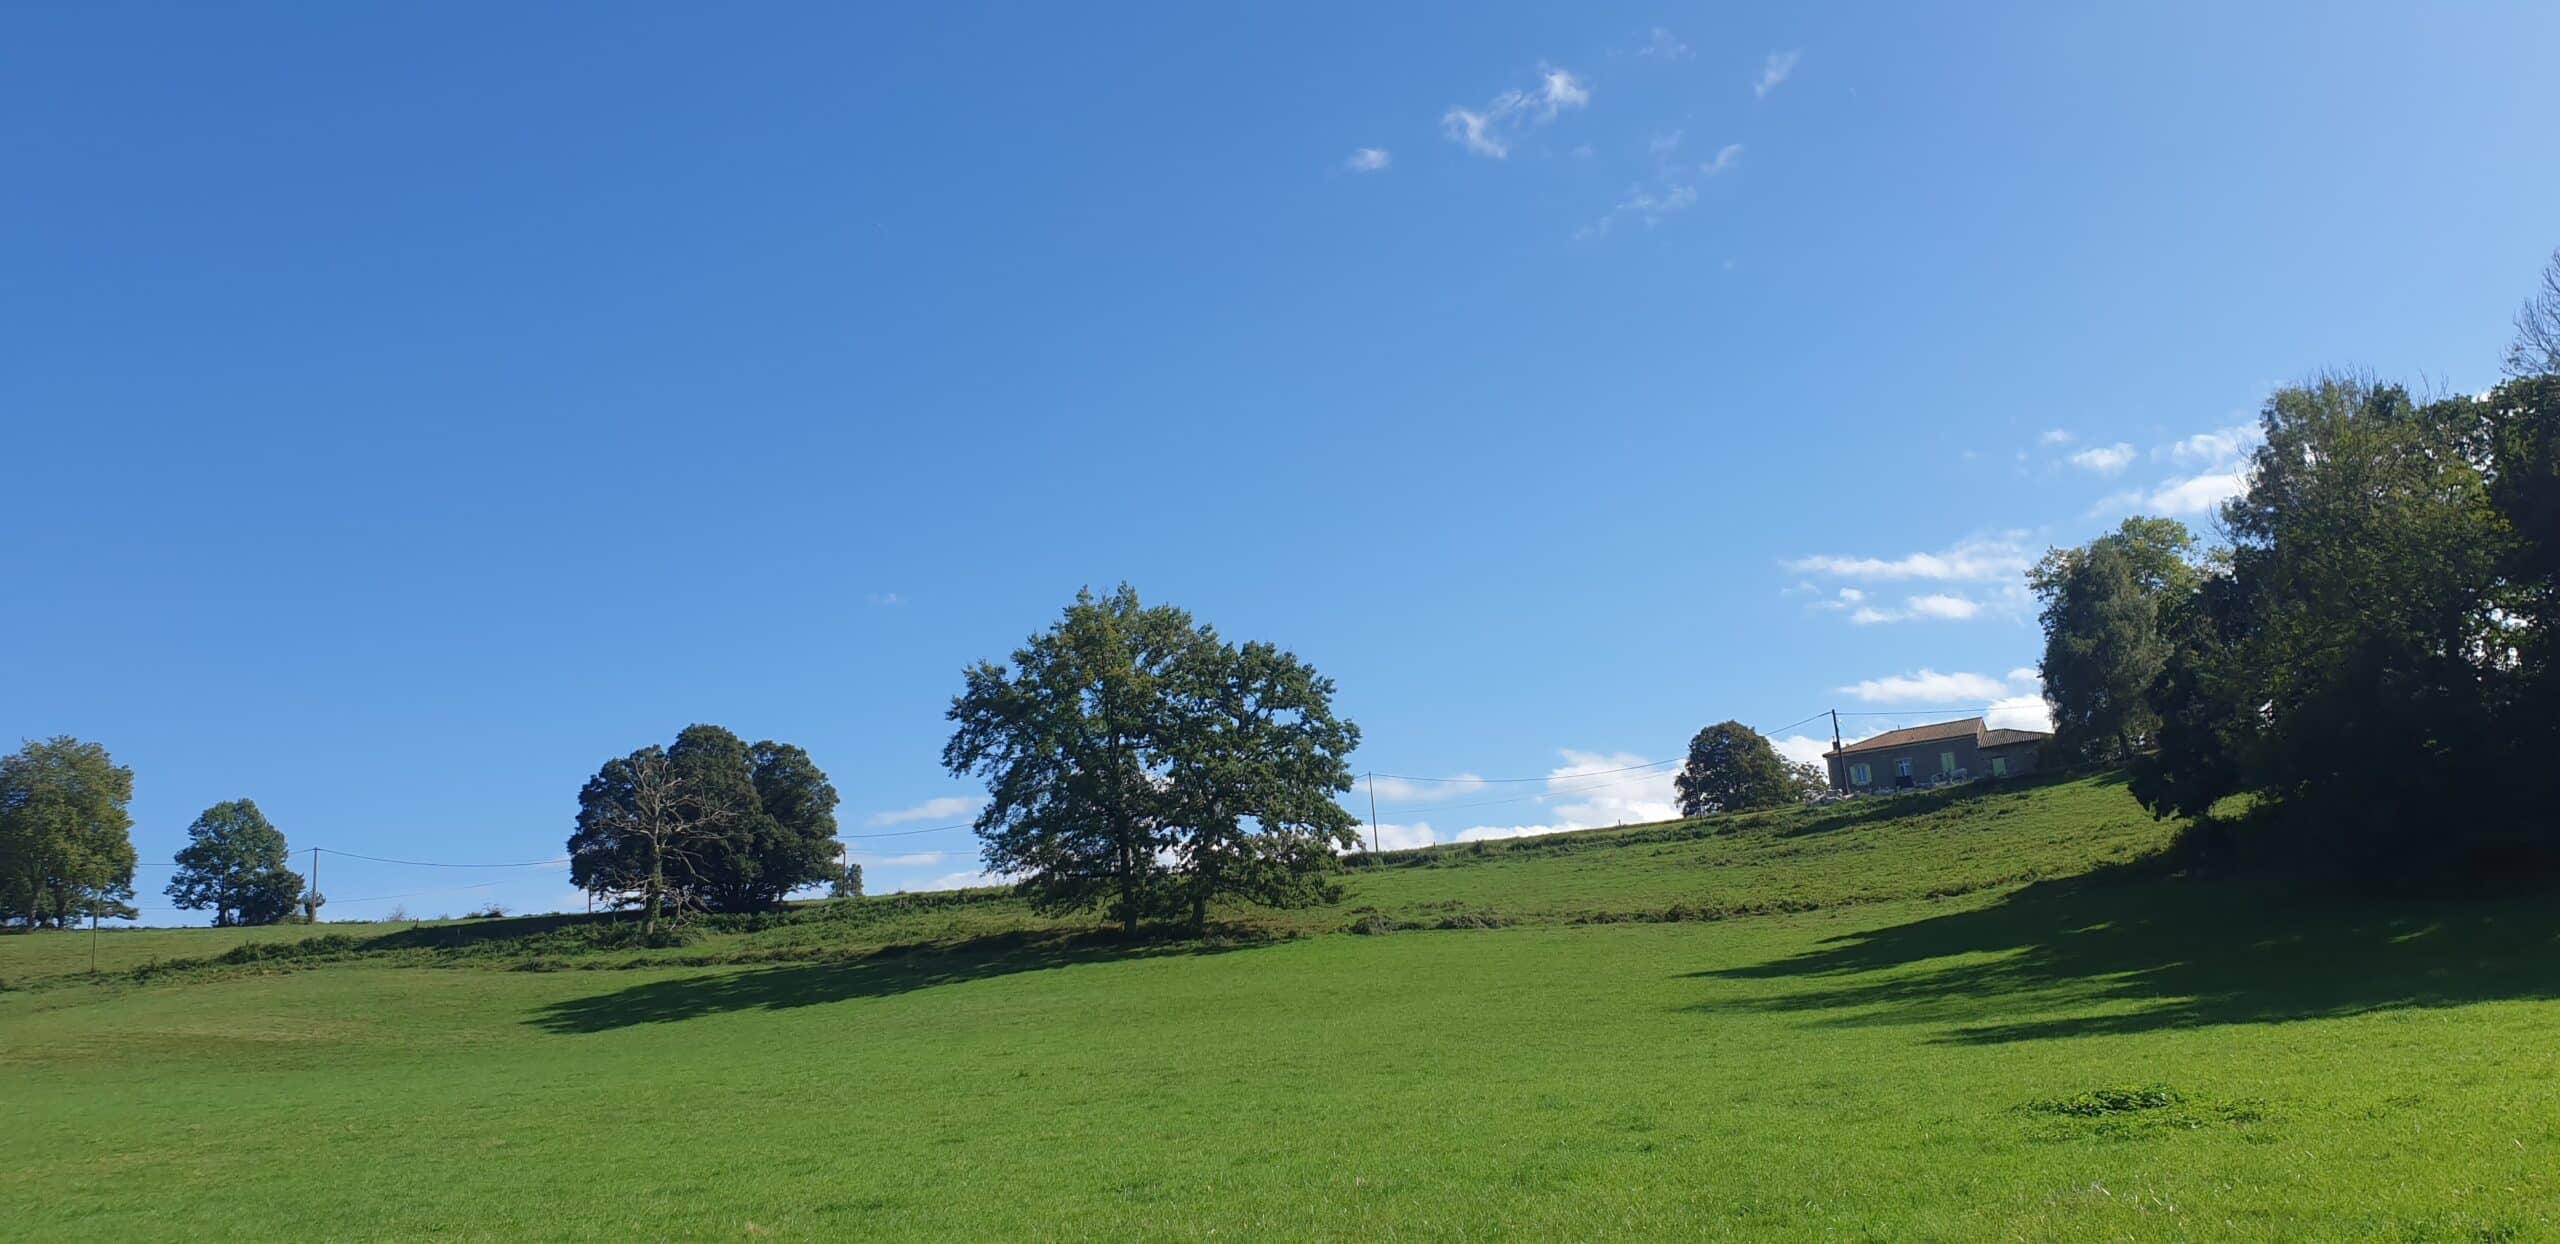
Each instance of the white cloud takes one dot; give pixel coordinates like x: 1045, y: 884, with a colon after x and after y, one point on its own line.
x: 1726, y: 157
x: 2198, y: 494
x: 2056, y: 436
x: 1802, y: 747
x: 1663, y: 45
x: 1665, y: 144
x: 912, y: 859
x: 2019, y: 712
x: 1396, y: 790
x: 1589, y: 790
x: 1486, y: 132
x: 1936, y: 606
x: 2107, y: 460
x: 2214, y: 449
x: 1976, y: 560
x: 1369, y: 160
x: 1561, y: 90
x: 974, y: 879
x: 1943, y: 605
x: 1474, y: 131
x: 1929, y: 686
x: 946, y: 808
x: 1774, y: 71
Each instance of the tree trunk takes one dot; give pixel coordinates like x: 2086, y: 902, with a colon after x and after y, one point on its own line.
x: 657, y: 890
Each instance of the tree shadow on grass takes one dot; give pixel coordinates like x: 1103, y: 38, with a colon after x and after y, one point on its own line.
x: 885, y: 974
x: 2133, y: 948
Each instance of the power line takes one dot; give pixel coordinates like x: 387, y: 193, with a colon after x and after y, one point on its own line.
x: 376, y: 859
x: 909, y: 833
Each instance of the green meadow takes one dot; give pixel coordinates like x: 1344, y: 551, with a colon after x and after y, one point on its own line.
x: 1992, y: 1014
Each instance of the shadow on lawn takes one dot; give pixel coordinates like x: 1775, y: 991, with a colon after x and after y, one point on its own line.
x: 2128, y: 949
x: 888, y: 973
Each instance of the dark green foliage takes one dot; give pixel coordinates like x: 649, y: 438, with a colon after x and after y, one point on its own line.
x: 2103, y: 605
x: 66, y: 851
x: 1137, y: 763
x: 2377, y: 659
x: 1732, y: 768
x: 234, y: 863
x: 709, y: 823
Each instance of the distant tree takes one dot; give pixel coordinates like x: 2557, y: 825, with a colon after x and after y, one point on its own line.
x: 66, y: 849
x: 1070, y: 740
x: 847, y: 883
x: 640, y: 828
x: 2103, y: 646
x: 709, y: 822
x: 1256, y: 758
x: 1733, y: 768
x: 234, y: 863
x: 1138, y: 764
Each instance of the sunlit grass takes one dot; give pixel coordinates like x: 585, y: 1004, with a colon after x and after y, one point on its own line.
x: 2053, y: 1048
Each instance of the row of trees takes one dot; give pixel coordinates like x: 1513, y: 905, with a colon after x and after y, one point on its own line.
x: 2375, y: 654
x: 707, y: 823
x: 66, y: 847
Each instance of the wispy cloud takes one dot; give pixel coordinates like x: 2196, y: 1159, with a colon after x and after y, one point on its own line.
x: 1726, y: 157
x: 2216, y: 448
x: 1773, y: 72
x: 2198, y: 494
x: 1976, y: 560
x: 1369, y: 160
x: 1928, y: 686
x: 2056, y: 436
x: 1486, y: 131
x: 1396, y: 790
x: 886, y: 600
x: 1663, y: 45
x: 2105, y: 460
x: 1665, y: 144
x: 949, y: 807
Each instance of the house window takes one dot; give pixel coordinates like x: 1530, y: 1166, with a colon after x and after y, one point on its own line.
x: 1902, y: 766
x: 1999, y: 766
x: 1947, y: 763
x: 1860, y: 775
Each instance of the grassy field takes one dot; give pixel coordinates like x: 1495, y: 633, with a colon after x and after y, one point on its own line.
x: 1994, y: 1015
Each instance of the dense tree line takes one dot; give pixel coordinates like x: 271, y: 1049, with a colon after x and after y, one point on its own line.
x: 708, y: 823
x: 2375, y: 656
x: 1139, y: 763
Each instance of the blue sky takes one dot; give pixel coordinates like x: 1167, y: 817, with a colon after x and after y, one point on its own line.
x: 408, y: 408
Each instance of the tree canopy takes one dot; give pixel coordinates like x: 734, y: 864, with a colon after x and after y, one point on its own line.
x: 709, y: 822
x: 2103, y: 604
x: 234, y: 863
x: 66, y: 848
x: 2376, y: 660
x: 1138, y: 763
x: 1733, y: 768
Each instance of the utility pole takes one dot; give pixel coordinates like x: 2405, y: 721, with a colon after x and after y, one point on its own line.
x: 1373, y: 813
x: 844, y: 860
x: 1835, y: 729
x: 315, y: 881
x: 93, y: 941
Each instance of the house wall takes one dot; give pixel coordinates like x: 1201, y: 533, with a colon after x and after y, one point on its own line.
x: 1971, y: 758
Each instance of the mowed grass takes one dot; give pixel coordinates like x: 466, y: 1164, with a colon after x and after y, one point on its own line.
x: 2045, y: 1051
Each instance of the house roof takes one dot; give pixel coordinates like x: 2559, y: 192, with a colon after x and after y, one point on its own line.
x: 1966, y: 728
x: 2002, y: 738
x: 1970, y: 727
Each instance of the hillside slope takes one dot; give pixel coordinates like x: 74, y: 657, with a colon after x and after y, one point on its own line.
x: 1947, y: 1017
